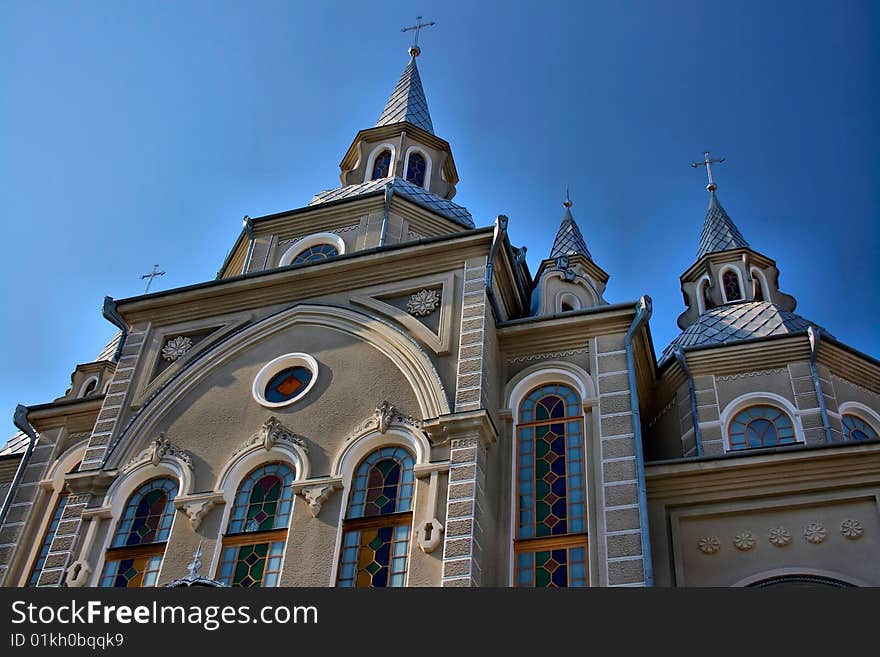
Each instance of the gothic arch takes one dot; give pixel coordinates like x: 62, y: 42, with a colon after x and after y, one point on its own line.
x: 399, y: 348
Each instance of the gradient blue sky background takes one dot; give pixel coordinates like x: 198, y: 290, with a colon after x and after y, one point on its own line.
x: 134, y: 133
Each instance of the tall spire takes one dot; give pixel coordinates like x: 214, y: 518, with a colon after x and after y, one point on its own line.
x: 569, y: 240
x: 719, y: 231
x: 407, y: 101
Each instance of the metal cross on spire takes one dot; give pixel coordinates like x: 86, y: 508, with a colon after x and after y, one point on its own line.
x: 707, y: 162
x: 414, y: 49
x: 151, y: 276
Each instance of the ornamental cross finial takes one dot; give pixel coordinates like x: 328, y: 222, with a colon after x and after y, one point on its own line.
x: 151, y: 276
x: 414, y: 49
x: 707, y: 162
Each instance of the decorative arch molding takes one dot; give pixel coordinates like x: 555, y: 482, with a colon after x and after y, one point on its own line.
x: 428, y: 163
x: 751, y: 580
x: 550, y: 372
x: 755, y: 399
x: 371, y: 159
x: 399, y: 348
x: 594, y: 299
x: 385, y: 427
x: 701, y: 300
x: 83, y: 389
x: 308, y: 241
x: 739, y: 278
x: 762, y: 281
x: 858, y: 409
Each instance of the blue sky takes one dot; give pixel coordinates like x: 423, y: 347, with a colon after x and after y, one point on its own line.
x: 134, y: 133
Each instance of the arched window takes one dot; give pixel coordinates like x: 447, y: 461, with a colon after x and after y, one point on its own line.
x: 551, y: 536
x: 381, y: 165
x: 253, y: 546
x: 855, y: 428
x: 375, y: 539
x: 315, y: 253
x: 135, y: 555
x: 90, y: 388
x: 760, y: 426
x: 730, y: 283
x: 759, y: 291
x: 706, y: 296
x: 415, y: 169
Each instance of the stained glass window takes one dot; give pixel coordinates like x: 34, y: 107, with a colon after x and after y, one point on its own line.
x: 381, y: 165
x: 376, y: 530
x: 135, y: 555
x: 253, y: 547
x: 47, y: 539
x: 287, y: 384
x: 551, y: 536
x: 855, y: 428
x: 415, y: 169
x: 760, y: 426
x: 731, y: 285
x: 315, y: 253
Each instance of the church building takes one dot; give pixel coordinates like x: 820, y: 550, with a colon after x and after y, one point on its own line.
x: 375, y: 391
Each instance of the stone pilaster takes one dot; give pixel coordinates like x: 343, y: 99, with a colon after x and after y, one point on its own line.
x: 469, y: 383
x: 621, y: 555
x: 111, y: 409
x: 469, y: 436
x: 61, y: 548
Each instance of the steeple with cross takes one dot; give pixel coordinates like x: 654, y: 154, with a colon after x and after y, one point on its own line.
x: 708, y: 162
x: 414, y: 49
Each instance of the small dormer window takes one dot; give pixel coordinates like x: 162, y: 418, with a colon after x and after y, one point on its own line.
x: 381, y: 165
x: 730, y: 282
x: 415, y: 169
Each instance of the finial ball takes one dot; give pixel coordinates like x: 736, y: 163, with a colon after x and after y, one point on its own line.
x: 415, y: 51
x: 711, y: 187
x: 567, y: 204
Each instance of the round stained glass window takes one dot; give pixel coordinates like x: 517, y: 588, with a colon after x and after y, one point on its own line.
x: 287, y: 384
x: 285, y: 379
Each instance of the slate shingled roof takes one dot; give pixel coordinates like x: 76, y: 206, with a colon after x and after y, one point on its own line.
x: 15, y: 445
x: 569, y: 240
x: 410, y: 191
x: 407, y: 101
x: 739, y: 321
x: 719, y: 231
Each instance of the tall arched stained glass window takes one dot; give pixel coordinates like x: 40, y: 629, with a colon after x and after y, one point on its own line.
x: 253, y: 546
x: 135, y: 555
x: 730, y: 283
x: 551, y: 536
x: 760, y: 426
x: 855, y: 428
x: 375, y: 539
x: 381, y: 165
x: 415, y: 169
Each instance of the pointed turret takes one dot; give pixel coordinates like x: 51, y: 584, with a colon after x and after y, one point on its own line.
x: 719, y: 231
x: 569, y: 240
x: 407, y: 102
x: 727, y: 271
x: 568, y: 279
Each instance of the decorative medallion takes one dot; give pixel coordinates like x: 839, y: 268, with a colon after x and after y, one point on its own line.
x: 709, y: 544
x: 815, y: 533
x: 176, y: 347
x: 780, y: 536
x: 423, y: 303
x: 157, y: 450
x: 851, y: 529
x: 383, y: 417
x: 271, y: 433
x: 744, y: 541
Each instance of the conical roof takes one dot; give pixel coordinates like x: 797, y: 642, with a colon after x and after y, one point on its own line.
x: 569, y: 240
x: 719, y: 231
x: 407, y: 101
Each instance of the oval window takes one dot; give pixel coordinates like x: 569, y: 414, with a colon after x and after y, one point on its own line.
x: 285, y: 379
x: 287, y: 384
